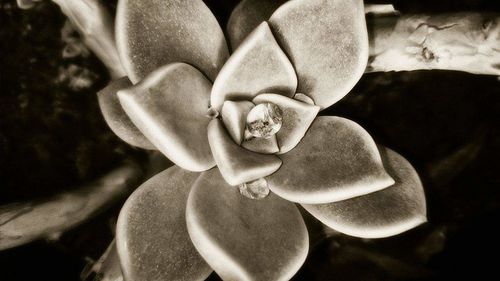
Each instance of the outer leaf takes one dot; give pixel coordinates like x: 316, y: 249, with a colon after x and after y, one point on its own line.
x: 152, y: 33
x: 151, y: 234
x: 169, y: 107
x: 327, y: 42
x: 247, y: 15
x: 115, y: 116
x: 336, y: 160
x: 244, y: 239
x: 237, y: 164
x: 257, y: 66
x: 383, y: 213
x: 297, y: 117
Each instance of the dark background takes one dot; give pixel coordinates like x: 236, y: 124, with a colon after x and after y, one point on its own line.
x: 52, y: 137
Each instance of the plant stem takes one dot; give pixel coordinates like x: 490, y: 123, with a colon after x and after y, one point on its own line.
x: 107, y: 268
x: 96, y: 27
x: 21, y: 223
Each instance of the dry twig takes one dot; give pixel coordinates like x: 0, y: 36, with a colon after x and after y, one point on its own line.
x: 467, y: 42
x: 96, y: 27
x: 21, y: 223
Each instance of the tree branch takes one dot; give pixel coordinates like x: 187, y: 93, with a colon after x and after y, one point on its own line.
x: 467, y: 42
x: 21, y: 223
x: 96, y: 27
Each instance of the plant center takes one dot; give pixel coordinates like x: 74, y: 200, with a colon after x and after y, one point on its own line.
x: 264, y: 120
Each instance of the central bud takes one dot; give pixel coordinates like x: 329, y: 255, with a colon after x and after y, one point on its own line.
x: 264, y: 120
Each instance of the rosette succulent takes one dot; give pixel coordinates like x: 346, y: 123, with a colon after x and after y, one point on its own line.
x: 243, y: 131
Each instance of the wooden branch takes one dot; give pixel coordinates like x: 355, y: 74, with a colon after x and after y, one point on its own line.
x: 467, y: 42
x: 96, y: 27
x: 21, y: 223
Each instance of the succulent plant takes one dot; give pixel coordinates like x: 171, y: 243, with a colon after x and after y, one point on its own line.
x: 255, y: 153
x: 244, y: 132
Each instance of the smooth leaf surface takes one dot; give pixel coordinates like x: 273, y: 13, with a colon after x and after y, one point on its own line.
x: 236, y: 164
x: 303, y: 98
x: 262, y: 145
x: 384, y: 213
x: 257, y: 66
x: 169, y: 107
x: 234, y: 115
x: 151, y: 235
x: 244, y: 239
x: 115, y: 116
x: 152, y: 33
x: 327, y: 43
x: 247, y: 15
x: 297, y: 117
x: 336, y: 160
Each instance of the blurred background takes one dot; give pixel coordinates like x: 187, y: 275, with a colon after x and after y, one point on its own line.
x: 53, y: 138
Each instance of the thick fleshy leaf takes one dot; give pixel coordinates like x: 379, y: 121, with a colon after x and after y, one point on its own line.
x: 297, y: 117
x: 247, y: 15
x: 151, y: 234
x: 336, y: 160
x: 152, y: 33
x: 244, y: 239
x: 238, y: 165
x: 327, y: 42
x: 234, y: 116
x: 384, y: 213
x: 303, y: 98
x: 115, y: 116
x: 257, y: 66
x: 169, y: 107
x: 262, y: 145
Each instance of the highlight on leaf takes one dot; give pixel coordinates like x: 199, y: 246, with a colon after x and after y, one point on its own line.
x: 244, y: 133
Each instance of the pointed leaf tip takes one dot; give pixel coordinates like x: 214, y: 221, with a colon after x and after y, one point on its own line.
x: 247, y: 15
x: 257, y: 66
x: 384, y: 213
x: 115, y: 116
x: 336, y: 160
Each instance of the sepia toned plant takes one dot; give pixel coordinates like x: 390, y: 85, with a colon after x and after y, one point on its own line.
x: 243, y: 130
x: 263, y: 178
